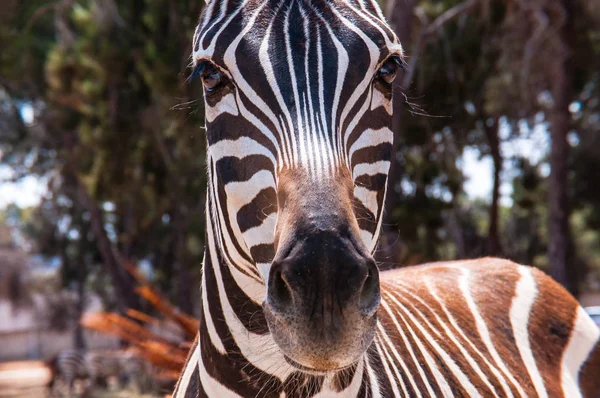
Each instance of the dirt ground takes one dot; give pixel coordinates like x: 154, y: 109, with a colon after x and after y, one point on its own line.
x: 28, y: 379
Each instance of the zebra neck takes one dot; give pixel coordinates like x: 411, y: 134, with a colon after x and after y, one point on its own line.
x: 234, y: 327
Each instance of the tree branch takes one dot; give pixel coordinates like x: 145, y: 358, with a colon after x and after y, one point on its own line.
x: 38, y: 14
x: 111, y: 258
x: 448, y: 16
x: 431, y: 29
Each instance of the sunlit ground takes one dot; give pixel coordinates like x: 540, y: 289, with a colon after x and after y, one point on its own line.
x: 24, y: 379
x: 28, y: 379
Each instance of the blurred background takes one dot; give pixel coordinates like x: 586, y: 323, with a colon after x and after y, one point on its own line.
x: 102, y: 173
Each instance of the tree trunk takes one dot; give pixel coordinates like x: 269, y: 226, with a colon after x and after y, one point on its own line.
x: 184, y: 278
x: 79, y: 338
x: 457, y: 232
x: 561, y: 268
x: 400, y: 14
x: 122, y: 281
x: 494, y: 247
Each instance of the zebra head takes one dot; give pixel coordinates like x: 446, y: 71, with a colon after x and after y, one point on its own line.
x: 298, y: 107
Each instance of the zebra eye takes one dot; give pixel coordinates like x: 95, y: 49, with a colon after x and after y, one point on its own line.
x: 389, y: 69
x: 209, y: 74
x: 211, y: 78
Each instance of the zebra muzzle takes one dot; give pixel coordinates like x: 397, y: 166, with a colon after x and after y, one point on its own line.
x: 323, y: 284
x: 322, y: 299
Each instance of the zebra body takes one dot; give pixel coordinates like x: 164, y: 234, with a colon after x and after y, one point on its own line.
x: 69, y: 366
x: 456, y: 329
x: 97, y: 367
x: 298, y: 97
x: 137, y: 371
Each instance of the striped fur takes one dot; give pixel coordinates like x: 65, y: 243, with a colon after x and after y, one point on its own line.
x: 95, y: 368
x: 68, y: 367
x: 297, y: 95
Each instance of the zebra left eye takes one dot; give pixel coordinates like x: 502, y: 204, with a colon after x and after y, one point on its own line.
x: 209, y: 74
x: 389, y: 70
x: 211, y: 78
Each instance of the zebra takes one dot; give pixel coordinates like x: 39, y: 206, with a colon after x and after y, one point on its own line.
x: 95, y: 368
x: 68, y: 367
x: 298, y: 106
x: 136, y: 372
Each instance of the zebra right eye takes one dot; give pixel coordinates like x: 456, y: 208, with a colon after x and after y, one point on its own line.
x: 388, y: 71
x: 390, y: 67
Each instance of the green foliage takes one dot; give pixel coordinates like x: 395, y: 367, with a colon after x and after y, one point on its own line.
x: 106, y: 119
x: 471, y: 76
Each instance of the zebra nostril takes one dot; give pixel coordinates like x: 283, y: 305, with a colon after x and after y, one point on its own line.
x: 280, y: 292
x: 369, y: 295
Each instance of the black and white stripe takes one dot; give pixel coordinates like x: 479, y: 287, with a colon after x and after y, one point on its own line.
x: 96, y: 368
x: 300, y: 90
x: 291, y: 116
x: 69, y: 366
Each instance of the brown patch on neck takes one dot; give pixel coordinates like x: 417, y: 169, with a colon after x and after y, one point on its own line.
x: 588, y: 376
x: 551, y: 321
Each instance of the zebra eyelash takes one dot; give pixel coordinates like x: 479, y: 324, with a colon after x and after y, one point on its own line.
x: 402, y: 64
x: 197, y: 71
